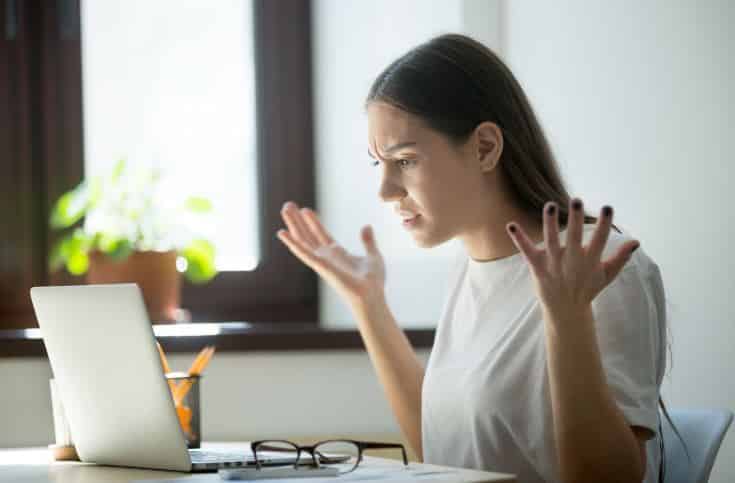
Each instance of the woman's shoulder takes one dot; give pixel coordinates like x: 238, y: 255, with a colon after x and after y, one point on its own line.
x: 640, y: 260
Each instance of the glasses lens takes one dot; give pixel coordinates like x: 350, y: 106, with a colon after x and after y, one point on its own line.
x: 274, y: 451
x: 340, y: 454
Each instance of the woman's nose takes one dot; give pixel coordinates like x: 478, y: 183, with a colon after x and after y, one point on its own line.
x: 390, y: 191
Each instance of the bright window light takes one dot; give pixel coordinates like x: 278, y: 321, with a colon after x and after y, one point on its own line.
x: 170, y: 84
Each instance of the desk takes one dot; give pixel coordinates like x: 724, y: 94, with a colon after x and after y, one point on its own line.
x: 34, y: 465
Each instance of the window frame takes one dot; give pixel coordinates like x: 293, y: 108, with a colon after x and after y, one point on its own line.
x: 281, y: 288
x: 41, y: 80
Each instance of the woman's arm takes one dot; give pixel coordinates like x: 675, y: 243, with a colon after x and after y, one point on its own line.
x: 593, y: 439
x: 396, y: 364
x: 360, y: 280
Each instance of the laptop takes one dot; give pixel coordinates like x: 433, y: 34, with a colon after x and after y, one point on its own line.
x: 109, y: 375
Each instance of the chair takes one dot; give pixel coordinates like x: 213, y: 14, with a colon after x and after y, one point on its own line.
x: 702, y: 430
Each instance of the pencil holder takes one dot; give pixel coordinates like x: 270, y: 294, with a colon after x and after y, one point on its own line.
x: 185, y: 392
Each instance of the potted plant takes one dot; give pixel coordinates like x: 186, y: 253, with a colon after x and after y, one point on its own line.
x: 122, y: 228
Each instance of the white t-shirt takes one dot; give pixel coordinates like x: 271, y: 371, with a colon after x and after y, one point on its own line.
x: 485, y: 400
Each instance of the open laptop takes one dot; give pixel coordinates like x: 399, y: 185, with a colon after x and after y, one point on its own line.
x: 109, y: 374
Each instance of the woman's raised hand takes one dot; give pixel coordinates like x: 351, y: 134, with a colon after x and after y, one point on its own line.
x: 357, y: 278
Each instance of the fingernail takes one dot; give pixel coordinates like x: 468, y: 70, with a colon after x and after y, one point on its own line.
x: 512, y: 228
x: 551, y: 210
x: 577, y: 205
x: 607, y: 211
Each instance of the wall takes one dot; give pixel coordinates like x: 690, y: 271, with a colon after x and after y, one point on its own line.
x: 637, y: 100
x: 250, y: 395
x: 354, y: 40
x: 244, y: 397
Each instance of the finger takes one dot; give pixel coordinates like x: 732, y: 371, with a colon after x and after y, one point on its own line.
x: 368, y: 239
x: 613, y: 266
x: 602, y: 232
x: 524, y: 244
x: 321, y: 265
x: 298, y: 248
x: 575, y: 223
x: 316, y: 227
x: 551, y: 231
x: 296, y: 225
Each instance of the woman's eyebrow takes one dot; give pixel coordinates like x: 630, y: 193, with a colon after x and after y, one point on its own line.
x: 394, y: 148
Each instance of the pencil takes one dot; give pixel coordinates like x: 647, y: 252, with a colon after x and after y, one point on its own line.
x: 166, y: 368
x: 198, y: 360
x: 205, y: 355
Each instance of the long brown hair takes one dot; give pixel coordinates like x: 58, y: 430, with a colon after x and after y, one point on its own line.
x: 454, y: 83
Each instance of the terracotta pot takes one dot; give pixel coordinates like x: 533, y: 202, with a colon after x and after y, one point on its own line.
x: 154, y: 272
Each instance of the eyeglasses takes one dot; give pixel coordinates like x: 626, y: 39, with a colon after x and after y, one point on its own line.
x: 343, y: 454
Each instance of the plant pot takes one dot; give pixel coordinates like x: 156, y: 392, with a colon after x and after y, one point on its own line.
x: 154, y: 272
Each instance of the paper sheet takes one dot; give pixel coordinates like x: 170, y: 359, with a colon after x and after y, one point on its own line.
x: 361, y: 474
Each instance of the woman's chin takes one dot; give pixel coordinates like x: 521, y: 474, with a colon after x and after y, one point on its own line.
x: 429, y: 239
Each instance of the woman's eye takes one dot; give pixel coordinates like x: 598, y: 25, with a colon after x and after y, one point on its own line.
x: 401, y: 163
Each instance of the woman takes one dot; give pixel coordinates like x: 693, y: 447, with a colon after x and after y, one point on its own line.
x: 549, y: 353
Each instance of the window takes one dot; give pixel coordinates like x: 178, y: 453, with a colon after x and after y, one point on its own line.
x: 171, y: 84
x: 42, y: 132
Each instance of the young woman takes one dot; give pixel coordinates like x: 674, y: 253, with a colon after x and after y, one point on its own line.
x: 550, y: 350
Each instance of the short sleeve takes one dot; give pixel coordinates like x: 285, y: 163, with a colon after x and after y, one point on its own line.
x: 627, y: 319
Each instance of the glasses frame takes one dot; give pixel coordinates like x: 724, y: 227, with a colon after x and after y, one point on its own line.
x: 310, y: 449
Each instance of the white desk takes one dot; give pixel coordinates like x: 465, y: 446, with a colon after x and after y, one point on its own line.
x: 34, y: 465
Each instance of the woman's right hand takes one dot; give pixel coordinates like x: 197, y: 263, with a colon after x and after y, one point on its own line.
x: 359, y: 279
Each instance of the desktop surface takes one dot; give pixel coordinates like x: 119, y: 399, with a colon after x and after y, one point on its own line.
x: 34, y: 465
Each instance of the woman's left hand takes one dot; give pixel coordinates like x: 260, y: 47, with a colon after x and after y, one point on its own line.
x: 568, y: 278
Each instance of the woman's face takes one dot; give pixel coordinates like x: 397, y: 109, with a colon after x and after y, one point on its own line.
x: 425, y: 175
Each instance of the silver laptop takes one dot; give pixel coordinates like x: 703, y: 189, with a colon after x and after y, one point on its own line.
x: 108, y: 371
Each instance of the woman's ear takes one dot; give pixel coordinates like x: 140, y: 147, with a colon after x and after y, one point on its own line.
x: 489, y: 145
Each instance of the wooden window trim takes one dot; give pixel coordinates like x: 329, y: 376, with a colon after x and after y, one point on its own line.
x: 256, y: 337
x: 281, y: 288
x: 41, y: 80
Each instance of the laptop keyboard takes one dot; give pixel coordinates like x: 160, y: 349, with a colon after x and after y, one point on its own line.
x: 204, y: 456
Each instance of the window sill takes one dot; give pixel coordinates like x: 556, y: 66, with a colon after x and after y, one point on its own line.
x: 227, y: 337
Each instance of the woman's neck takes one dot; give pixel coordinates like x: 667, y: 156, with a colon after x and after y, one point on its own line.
x: 491, y: 240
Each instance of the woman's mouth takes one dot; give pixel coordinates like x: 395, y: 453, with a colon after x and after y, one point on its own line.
x: 411, y: 222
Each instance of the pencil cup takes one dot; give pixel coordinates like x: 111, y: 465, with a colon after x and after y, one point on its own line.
x: 185, y: 392
x: 63, y: 449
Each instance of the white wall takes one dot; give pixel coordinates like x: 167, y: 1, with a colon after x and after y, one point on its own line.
x: 634, y: 98
x: 637, y: 100
x: 249, y: 395
x: 354, y: 41
x: 244, y: 397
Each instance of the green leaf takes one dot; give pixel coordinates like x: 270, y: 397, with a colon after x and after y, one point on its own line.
x: 121, y: 250
x: 199, y: 255
x: 95, y: 192
x: 118, y: 249
x: 81, y: 241
x: 198, y: 204
x: 117, y: 171
x: 59, y: 253
x: 71, y: 251
x: 78, y: 263
x: 70, y: 207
